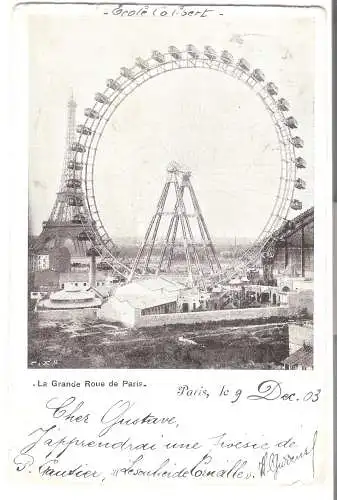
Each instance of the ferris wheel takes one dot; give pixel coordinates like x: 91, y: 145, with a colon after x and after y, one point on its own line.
x: 117, y: 90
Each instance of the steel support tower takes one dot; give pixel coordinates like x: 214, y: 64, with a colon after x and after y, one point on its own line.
x: 156, y: 255
x: 66, y: 225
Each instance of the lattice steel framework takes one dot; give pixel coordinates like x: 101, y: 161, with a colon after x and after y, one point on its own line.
x: 200, y: 255
x: 191, y: 59
x: 63, y: 211
x: 69, y: 212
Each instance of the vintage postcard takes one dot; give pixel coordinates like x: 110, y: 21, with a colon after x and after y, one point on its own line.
x: 171, y: 293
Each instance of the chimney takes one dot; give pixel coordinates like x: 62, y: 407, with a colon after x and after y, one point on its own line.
x: 92, y: 271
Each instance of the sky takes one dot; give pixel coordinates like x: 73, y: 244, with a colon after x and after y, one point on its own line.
x: 210, y: 123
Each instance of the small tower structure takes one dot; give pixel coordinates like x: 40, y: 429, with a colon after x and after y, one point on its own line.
x: 184, y: 226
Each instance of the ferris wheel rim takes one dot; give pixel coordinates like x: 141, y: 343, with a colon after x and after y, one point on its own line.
x: 122, y: 90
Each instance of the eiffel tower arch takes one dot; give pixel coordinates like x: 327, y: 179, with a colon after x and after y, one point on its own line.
x: 67, y: 225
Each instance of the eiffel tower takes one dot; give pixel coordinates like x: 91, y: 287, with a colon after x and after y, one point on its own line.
x: 66, y: 226
x: 186, y: 228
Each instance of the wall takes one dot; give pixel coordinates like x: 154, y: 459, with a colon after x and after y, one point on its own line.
x: 288, y: 257
x: 46, y: 280
x: 295, y: 283
x: 301, y: 300
x: 204, y: 316
x: 298, y: 334
x: 59, y: 259
x: 309, y: 250
x: 75, y: 286
x: 70, y: 314
x: 42, y: 262
x: 170, y: 307
x: 295, y: 252
x: 115, y: 310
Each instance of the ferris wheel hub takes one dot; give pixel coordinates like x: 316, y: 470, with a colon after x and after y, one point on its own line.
x: 174, y: 166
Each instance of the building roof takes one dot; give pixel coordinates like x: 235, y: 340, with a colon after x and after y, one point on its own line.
x: 159, y: 283
x: 71, y: 295
x: 148, y: 286
x: 103, y: 290
x: 147, y: 301
x: 301, y: 357
x: 301, y: 220
x: 235, y: 281
x: 76, y: 299
x: 307, y: 213
x: 147, y: 293
x: 57, y: 305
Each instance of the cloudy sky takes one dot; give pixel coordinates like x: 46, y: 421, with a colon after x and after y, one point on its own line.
x: 205, y: 120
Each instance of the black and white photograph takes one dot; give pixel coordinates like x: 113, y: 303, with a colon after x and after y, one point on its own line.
x: 171, y: 189
x: 170, y: 251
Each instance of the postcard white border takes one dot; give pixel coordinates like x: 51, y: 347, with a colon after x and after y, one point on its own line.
x: 19, y: 378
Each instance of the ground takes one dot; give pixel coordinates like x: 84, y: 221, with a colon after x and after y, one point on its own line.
x: 97, y: 344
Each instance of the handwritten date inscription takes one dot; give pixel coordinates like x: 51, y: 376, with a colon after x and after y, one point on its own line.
x: 121, y: 439
x: 267, y: 390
